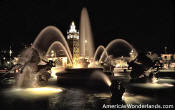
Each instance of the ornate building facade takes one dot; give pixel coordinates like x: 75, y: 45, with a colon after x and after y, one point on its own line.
x: 73, y: 41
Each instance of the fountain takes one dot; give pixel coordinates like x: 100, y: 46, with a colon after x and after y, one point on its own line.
x: 98, y: 53
x: 102, y: 77
x: 29, y: 58
x: 86, y: 39
x: 102, y: 54
x: 118, y: 48
x: 31, y: 73
x: 46, y: 37
x: 57, y: 46
x: 51, y: 39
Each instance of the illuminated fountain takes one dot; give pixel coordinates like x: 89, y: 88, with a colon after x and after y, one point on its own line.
x: 51, y: 43
x: 98, y: 54
x: 47, y: 37
x: 59, y: 50
x: 118, y: 48
x: 86, y: 39
x: 51, y: 38
x: 102, y: 55
x: 30, y: 58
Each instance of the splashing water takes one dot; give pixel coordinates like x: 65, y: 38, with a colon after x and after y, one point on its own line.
x: 58, y: 47
x: 86, y: 39
x: 29, y: 60
x: 100, y: 75
x: 118, y: 48
x: 46, y: 37
x: 100, y: 49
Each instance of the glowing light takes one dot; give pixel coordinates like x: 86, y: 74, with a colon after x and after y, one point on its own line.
x: 64, y: 61
x: 108, y: 82
x: 8, y: 62
x: 72, y: 27
x: 29, y: 93
x: 92, y: 64
x: 166, y: 84
x: 43, y: 91
x: 55, y: 70
x: 73, y: 33
x: 172, y: 65
x: 154, y: 85
x: 52, y: 53
x: 78, y: 65
x: 102, y: 95
x: 101, y: 75
x: 154, y: 80
x: 10, y: 52
x: 165, y: 66
x: 135, y: 99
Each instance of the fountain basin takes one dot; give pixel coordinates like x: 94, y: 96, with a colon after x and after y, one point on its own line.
x: 166, y: 73
x: 81, y: 77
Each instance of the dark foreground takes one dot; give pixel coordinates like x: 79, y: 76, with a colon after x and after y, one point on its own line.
x: 161, y: 92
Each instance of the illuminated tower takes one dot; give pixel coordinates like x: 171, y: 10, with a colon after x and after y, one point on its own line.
x: 73, y: 41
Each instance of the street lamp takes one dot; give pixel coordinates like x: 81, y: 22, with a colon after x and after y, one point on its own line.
x: 52, y: 53
x: 131, y: 54
x: 165, y: 49
x: 10, y: 52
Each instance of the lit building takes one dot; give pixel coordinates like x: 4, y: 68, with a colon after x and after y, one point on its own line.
x: 73, y: 41
x: 167, y: 57
x: 168, y: 60
x: 120, y: 62
x: 58, y: 57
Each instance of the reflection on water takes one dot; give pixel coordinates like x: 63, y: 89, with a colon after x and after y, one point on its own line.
x: 153, y: 85
x: 77, y: 99
x: 66, y: 98
x: 52, y: 98
x: 103, y: 95
x: 28, y: 93
x: 136, y: 99
x: 166, y: 80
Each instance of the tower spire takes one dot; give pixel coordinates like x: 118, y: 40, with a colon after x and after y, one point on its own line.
x: 72, y: 27
x: 73, y: 41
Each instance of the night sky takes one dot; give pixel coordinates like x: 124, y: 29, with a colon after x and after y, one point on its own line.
x: 146, y: 24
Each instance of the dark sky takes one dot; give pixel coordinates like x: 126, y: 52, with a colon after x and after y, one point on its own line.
x: 146, y: 24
